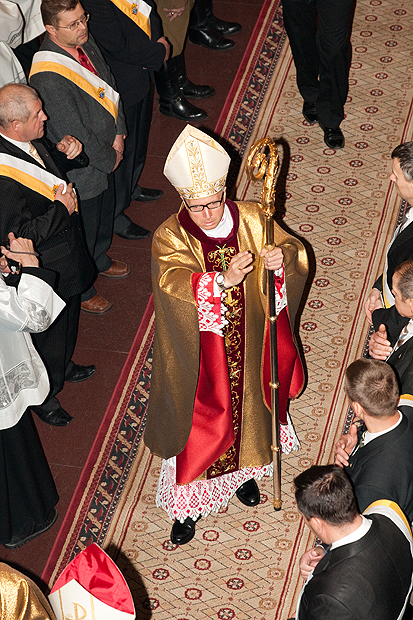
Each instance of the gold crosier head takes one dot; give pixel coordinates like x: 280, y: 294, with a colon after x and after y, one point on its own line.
x: 259, y: 165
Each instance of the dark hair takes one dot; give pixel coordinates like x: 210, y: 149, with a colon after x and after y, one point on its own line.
x: 373, y: 385
x: 325, y: 492
x: 50, y: 10
x: 404, y: 153
x: 404, y: 273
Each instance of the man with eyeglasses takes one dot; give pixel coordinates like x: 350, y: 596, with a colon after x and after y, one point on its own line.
x: 80, y: 99
x: 209, y: 410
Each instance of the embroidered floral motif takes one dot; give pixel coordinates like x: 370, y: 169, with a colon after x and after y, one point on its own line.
x: 17, y: 379
x: 209, y: 312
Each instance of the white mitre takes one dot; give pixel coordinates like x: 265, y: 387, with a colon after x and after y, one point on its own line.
x: 197, y: 165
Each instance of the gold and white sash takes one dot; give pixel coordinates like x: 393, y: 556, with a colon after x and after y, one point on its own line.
x: 92, y: 84
x: 138, y: 11
x: 31, y: 176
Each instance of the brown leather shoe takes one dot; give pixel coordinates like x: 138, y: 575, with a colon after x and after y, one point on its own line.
x: 118, y: 269
x: 96, y: 305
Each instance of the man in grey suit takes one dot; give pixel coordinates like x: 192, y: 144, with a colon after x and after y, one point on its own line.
x: 80, y: 98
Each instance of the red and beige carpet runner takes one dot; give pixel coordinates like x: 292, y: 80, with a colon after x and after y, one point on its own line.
x: 243, y: 563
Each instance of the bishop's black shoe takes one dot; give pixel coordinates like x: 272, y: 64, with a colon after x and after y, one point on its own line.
x: 310, y: 112
x: 249, y: 493
x: 333, y: 137
x: 182, y: 533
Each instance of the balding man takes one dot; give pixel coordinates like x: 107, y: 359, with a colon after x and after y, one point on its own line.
x: 401, y: 246
x: 38, y: 204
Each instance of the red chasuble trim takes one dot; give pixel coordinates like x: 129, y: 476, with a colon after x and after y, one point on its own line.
x: 212, y: 431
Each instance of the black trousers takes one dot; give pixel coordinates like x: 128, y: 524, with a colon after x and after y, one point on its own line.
x: 27, y: 490
x: 98, y: 216
x: 138, y: 121
x: 56, y: 346
x: 319, y: 33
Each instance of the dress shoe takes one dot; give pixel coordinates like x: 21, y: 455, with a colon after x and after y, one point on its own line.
x: 210, y: 38
x: 224, y: 27
x: 57, y: 417
x: 182, y: 533
x: 117, y: 270
x: 180, y: 108
x: 333, y: 137
x: 96, y: 305
x: 249, y: 493
x: 80, y: 373
x: 188, y: 88
x: 133, y: 232
x: 24, y: 537
x: 145, y: 194
x: 310, y: 112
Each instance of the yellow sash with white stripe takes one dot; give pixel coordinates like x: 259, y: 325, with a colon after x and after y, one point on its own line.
x: 90, y: 83
x: 390, y: 509
x: 138, y: 11
x: 31, y: 176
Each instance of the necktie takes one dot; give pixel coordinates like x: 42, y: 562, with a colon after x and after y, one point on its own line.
x: 33, y: 152
x: 361, y: 444
x: 85, y: 62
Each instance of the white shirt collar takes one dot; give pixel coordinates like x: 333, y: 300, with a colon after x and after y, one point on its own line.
x: 370, y: 436
x: 356, y: 535
x: 24, y: 146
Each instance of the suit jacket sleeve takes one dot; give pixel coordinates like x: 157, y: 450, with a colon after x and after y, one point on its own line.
x: 393, y: 321
x: 60, y: 98
x: 324, y: 607
x: 139, y: 50
x: 15, y: 215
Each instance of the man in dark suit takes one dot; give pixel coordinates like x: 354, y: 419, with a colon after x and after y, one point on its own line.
x: 319, y: 34
x: 79, y: 96
x: 133, y: 46
x: 401, y: 246
x: 377, y: 455
x: 37, y: 204
x: 366, y: 569
x: 392, y: 341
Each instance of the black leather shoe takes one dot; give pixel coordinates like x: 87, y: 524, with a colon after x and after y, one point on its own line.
x: 333, y: 137
x: 133, y: 232
x: 57, y: 417
x: 210, y: 38
x: 180, y: 108
x: 182, y: 533
x: 23, y: 538
x: 196, y: 91
x: 144, y: 194
x: 310, y: 112
x: 224, y: 27
x: 80, y: 373
x: 249, y: 493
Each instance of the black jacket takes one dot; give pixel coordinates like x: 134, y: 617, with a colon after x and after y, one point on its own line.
x: 56, y: 235
x: 365, y: 580
x: 383, y: 468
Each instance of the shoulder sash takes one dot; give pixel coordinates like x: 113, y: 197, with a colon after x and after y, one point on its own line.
x: 31, y: 176
x: 392, y: 511
x: 92, y: 84
x: 138, y: 11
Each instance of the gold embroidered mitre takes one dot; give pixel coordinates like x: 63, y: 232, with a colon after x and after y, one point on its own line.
x: 197, y: 165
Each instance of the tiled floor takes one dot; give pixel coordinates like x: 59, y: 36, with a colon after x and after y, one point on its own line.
x: 105, y: 340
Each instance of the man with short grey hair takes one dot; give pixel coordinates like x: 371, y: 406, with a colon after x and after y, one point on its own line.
x: 401, y: 246
x: 38, y: 204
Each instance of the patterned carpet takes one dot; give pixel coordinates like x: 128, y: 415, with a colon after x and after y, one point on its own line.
x: 242, y: 564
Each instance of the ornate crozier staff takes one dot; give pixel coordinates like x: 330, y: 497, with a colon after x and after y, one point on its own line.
x: 260, y: 165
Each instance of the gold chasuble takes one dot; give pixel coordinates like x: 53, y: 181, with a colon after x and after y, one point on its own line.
x: 178, y: 256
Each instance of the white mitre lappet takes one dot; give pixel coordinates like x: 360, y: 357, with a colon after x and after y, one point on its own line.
x: 197, y: 165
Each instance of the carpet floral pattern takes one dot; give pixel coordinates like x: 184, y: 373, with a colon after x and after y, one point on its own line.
x: 243, y: 563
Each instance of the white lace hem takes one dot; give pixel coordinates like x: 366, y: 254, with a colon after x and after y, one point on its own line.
x: 204, y: 496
